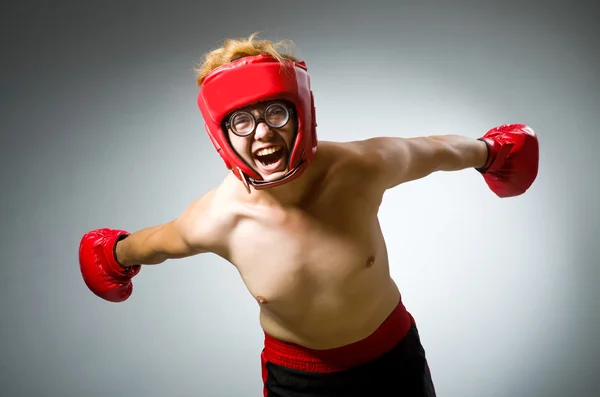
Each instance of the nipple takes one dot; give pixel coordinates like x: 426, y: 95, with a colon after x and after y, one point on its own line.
x: 370, y: 261
x: 260, y: 299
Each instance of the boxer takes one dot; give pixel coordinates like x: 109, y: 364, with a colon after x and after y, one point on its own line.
x: 301, y: 226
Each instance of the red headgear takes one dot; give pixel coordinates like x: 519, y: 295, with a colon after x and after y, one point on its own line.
x: 250, y: 80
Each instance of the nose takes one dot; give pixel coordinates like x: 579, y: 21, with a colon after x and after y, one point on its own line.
x: 262, y: 131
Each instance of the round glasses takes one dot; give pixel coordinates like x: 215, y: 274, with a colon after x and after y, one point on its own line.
x: 243, y: 123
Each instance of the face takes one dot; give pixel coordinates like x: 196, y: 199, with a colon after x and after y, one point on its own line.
x: 263, y: 135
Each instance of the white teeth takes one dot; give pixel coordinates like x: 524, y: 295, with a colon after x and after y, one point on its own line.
x: 269, y: 150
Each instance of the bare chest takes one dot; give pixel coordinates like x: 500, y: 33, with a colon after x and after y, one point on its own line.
x: 285, y: 254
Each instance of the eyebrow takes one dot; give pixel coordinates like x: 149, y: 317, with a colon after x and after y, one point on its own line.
x: 261, y: 105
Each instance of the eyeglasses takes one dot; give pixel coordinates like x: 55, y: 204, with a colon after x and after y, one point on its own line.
x: 243, y: 123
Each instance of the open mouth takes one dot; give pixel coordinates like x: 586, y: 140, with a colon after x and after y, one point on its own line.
x: 270, y: 158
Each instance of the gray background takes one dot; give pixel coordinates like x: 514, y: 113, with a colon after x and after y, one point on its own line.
x: 100, y: 129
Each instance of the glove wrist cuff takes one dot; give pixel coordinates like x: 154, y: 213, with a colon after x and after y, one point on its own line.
x: 483, y: 169
x: 115, y: 268
x: 498, y: 152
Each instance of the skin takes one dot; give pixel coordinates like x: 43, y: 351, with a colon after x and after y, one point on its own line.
x: 265, y: 137
x: 326, y: 282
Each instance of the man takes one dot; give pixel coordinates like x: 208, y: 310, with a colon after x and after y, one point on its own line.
x: 301, y: 226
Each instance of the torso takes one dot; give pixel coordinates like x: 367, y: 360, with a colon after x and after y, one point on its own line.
x: 319, y: 268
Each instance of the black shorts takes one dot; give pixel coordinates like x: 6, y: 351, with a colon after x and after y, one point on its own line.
x: 390, y: 362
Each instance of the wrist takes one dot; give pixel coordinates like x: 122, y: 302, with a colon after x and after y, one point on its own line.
x: 120, y: 252
x: 482, y: 155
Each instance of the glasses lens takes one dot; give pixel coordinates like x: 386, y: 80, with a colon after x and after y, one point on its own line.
x: 242, y: 123
x: 277, y: 115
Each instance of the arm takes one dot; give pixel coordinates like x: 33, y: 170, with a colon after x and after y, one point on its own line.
x: 398, y: 160
x: 154, y: 245
x: 110, y: 258
x: 187, y: 235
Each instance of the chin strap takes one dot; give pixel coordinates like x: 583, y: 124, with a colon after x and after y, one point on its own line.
x: 244, y: 179
x: 261, y: 185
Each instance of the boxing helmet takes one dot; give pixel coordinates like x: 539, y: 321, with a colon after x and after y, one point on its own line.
x: 250, y: 80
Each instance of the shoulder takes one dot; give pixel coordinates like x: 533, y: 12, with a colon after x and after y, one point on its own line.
x: 375, y: 164
x: 359, y: 157
x: 208, y: 221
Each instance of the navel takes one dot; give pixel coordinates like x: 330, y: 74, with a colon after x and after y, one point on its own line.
x: 370, y: 261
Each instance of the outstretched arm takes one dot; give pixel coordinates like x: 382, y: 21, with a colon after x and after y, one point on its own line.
x: 396, y: 160
x: 191, y: 233
x: 154, y: 245
x: 110, y: 258
x: 507, y: 156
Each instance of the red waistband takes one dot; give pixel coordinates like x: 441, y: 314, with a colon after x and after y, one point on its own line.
x: 388, y: 335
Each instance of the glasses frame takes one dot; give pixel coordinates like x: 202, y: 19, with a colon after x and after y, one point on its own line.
x: 257, y: 121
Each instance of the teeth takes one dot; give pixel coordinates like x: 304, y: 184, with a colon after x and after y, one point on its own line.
x: 269, y: 150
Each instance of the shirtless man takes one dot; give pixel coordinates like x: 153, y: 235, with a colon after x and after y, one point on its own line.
x: 301, y: 226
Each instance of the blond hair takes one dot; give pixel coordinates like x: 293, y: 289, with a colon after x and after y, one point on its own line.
x: 234, y: 48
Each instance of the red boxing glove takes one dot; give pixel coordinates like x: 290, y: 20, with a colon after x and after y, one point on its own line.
x: 101, y: 272
x: 513, y: 157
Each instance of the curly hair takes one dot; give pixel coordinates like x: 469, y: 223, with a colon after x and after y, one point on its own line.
x: 235, y: 48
